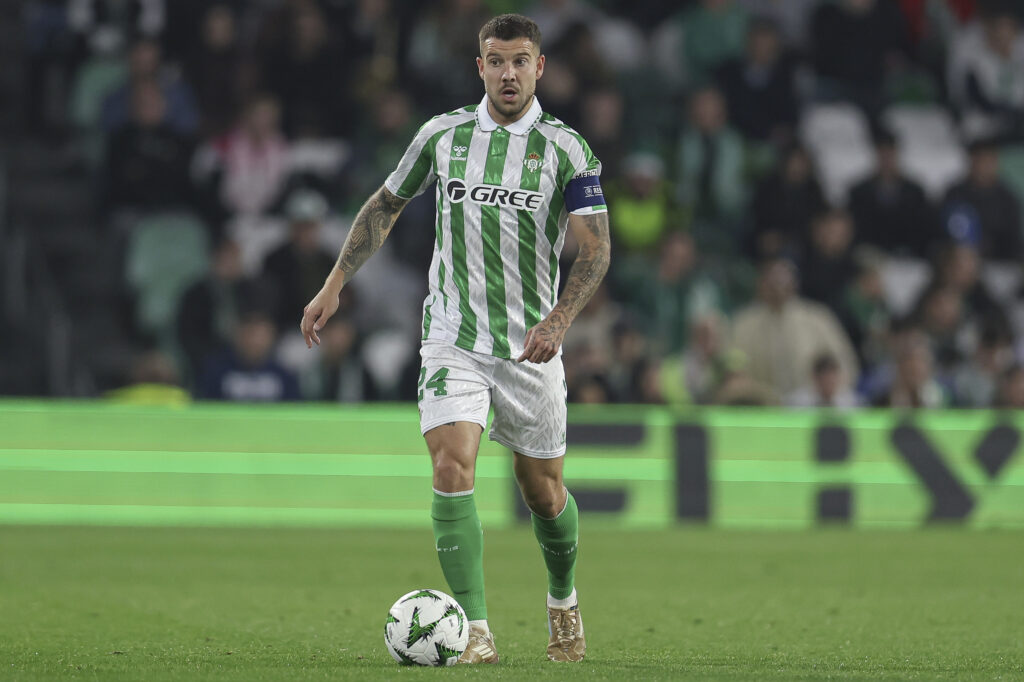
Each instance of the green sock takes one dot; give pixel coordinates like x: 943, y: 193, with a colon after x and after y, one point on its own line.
x: 558, y: 538
x: 459, y: 540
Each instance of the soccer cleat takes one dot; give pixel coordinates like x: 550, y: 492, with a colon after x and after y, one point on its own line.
x: 480, y: 648
x: 566, y: 628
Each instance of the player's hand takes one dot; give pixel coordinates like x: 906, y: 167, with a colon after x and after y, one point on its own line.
x: 543, y: 340
x: 316, y: 314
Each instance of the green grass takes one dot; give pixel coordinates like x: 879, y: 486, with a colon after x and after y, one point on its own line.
x: 251, y: 605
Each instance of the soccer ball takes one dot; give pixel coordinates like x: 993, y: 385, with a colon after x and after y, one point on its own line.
x: 426, y: 627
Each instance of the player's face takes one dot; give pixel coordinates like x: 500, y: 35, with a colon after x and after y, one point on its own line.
x: 509, y: 69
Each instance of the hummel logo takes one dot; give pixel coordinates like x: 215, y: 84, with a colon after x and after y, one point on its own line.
x: 458, y: 152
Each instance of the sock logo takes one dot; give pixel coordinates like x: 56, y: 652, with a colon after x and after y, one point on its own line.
x: 446, y: 549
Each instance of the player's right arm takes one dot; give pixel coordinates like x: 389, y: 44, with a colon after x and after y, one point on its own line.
x: 370, y: 228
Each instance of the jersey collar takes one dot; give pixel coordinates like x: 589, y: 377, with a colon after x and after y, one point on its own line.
x: 520, y: 127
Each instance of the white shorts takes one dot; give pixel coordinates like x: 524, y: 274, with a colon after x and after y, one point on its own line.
x: 458, y: 385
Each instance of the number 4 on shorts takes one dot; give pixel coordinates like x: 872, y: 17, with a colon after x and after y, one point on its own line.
x: 436, y: 382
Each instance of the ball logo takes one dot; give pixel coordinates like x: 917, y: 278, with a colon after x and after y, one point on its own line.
x: 493, y: 195
x: 456, y: 190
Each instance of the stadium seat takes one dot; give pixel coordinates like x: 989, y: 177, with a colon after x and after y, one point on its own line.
x: 930, y: 149
x: 166, y: 252
x: 839, y: 141
x: 903, y: 280
x: 95, y: 79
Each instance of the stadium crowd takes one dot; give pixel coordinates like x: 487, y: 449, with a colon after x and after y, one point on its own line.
x: 812, y: 202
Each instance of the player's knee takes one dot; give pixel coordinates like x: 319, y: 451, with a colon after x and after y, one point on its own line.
x: 451, y: 474
x: 545, y: 499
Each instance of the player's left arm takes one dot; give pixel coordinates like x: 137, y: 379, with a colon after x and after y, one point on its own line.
x: 591, y: 233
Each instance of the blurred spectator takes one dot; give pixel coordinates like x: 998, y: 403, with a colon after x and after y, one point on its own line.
x: 760, y: 87
x: 983, y: 210
x: 914, y: 384
x: 986, y: 75
x: 828, y: 387
x: 248, y: 372
x: 297, y: 268
x: 643, y: 204
x: 827, y: 267
x: 246, y: 169
x: 147, y: 161
x: 302, y: 71
x: 671, y: 295
x: 602, y: 125
x: 371, y: 39
x: 707, y: 362
x: 782, y: 334
x: 382, y: 140
x: 976, y: 383
x: 444, y: 40
x: 940, y: 314
x: 856, y: 43
x: 959, y: 267
x: 631, y: 349
x: 784, y: 205
x: 865, y: 314
x: 209, y: 310
x: 214, y: 68
x: 695, y: 42
x: 711, y: 181
x: 338, y: 374
x: 107, y: 26
x: 790, y: 16
x: 145, y: 66
x: 1011, y: 389
x: 154, y: 380
x: 891, y: 211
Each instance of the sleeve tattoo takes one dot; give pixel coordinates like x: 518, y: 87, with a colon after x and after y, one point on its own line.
x: 586, y: 272
x: 370, y: 228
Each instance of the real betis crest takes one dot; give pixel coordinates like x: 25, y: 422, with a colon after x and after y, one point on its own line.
x: 533, y: 162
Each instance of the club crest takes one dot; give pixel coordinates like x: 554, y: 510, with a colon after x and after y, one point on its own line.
x: 533, y: 162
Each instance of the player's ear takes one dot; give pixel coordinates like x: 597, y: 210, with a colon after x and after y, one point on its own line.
x: 480, y: 67
x: 540, y: 66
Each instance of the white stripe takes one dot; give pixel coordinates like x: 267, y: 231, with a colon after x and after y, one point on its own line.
x: 440, y: 320
x: 461, y: 493
x: 479, y: 145
x: 547, y: 188
x: 511, y: 176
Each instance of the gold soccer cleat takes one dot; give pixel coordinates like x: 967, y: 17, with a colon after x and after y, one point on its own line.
x: 480, y: 648
x: 566, y: 627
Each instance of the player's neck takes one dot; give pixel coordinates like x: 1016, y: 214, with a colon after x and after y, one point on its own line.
x: 501, y: 120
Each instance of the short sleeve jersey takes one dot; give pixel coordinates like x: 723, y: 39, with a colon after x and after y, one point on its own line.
x: 503, y: 195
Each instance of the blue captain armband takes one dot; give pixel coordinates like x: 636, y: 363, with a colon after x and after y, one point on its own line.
x: 583, y: 194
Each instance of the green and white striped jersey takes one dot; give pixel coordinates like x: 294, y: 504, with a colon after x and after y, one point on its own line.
x: 501, y: 219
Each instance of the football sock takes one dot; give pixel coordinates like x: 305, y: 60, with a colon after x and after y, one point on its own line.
x: 563, y: 603
x: 558, y: 538
x: 459, y: 539
x: 482, y: 624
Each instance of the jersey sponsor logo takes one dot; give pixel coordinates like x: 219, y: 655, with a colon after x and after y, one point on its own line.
x: 459, y: 152
x: 456, y: 190
x: 587, y: 173
x: 493, y: 195
x: 533, y: 162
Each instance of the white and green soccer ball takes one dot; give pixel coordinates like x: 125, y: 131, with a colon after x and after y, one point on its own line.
x: 426, y: 627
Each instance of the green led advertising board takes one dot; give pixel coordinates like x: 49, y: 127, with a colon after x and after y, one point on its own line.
x: 98, y: 463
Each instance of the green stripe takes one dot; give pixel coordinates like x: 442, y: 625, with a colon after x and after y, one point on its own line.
x: 460, y: 271
x: 419, y: 170
x: 490, y: 225
x: 536, y: 144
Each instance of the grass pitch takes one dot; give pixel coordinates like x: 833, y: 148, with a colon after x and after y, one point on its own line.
x: 252, y: 605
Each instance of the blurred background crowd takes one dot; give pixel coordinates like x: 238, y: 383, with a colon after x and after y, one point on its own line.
x: 813, y: 202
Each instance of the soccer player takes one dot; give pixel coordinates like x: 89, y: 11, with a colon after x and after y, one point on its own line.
x: 510, y: 180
